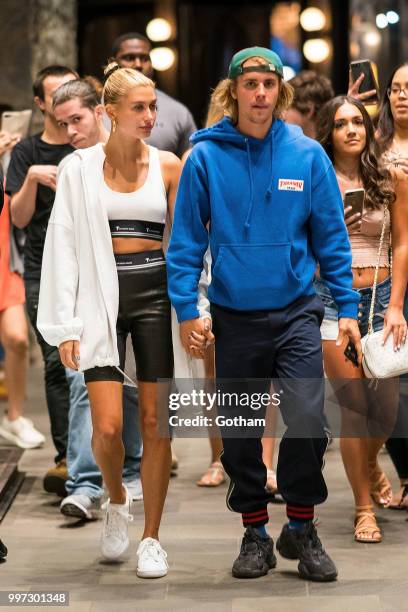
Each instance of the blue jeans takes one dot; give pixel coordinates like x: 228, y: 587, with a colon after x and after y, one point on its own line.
x: 84, y: 475
x: 331, y: 311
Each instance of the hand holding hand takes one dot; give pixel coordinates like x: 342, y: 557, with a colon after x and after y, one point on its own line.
x: 194, y: 335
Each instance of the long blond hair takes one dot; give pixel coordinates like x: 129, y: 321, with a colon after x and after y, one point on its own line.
x: 223, y: 104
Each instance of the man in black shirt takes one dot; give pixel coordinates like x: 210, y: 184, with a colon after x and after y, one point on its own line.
x: 31, y: 183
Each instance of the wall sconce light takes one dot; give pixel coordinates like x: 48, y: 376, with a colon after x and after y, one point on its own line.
x: 316, y: 50
x: 162, y: 58
x: 158, y: 30
x: 312, y: 19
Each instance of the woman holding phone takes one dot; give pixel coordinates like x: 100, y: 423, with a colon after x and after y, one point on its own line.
x: 346, y: 132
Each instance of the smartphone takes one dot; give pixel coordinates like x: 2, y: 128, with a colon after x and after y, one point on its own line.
x: 351, y: 353
x: 355, y: 199
x: 16, y: 122
x: 369, y: 82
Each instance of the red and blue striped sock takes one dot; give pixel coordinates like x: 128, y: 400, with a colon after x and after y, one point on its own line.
x: 299, y: 516
x: 256, y: 518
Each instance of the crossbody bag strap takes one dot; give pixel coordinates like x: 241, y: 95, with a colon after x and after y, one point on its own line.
x: 374, y: 290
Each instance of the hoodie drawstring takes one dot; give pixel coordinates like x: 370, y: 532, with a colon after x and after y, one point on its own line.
x: 251, y: 187
x: 269, y: 190
x: 251, y: 180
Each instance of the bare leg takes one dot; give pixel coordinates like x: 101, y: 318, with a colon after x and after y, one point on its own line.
x: 156, y: 460
x: 107, y: 419
x: 354, y: 453
x: 268, y: 451
x: 209, y: 368
x: 216, y: 449
x: 14, y: 338
x: 269, y: 440
x: 380, y: 486
x: 354, y: 450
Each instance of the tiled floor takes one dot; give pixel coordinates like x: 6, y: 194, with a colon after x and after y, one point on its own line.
x: 202, y: 538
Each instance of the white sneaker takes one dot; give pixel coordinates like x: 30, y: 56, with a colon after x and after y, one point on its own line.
x: 152, y: 559
x: 115, y: 538
x: 21, y: 432
x: 135, y: 489
x: 78, y: 506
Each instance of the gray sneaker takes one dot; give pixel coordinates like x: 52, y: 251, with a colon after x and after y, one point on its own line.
x: 135, y: 489
x: 78, y: 506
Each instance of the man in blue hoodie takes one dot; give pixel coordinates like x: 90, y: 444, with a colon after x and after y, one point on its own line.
x: 269, y: 196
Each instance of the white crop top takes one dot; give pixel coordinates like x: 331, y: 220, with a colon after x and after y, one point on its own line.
x: 141, y: 213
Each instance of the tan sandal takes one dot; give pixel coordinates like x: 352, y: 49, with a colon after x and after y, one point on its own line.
x: 271, y: 483
x: 380, y: 486
x: 213, y: 477
x: 366, y: 529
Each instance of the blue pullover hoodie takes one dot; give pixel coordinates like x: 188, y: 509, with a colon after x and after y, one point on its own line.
x: 274, y: 211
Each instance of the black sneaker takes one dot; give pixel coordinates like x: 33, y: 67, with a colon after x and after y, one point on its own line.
x: 256, y: 556
x: 3, y: 550
x: 314, y: 562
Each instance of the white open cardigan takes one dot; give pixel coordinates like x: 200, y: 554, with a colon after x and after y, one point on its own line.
x: 79, y: 292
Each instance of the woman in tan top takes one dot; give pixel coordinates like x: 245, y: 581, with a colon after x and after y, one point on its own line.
x: 392, y: 136
x: 346, y: 132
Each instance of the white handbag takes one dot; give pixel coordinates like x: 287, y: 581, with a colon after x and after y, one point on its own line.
x: 381, y: 361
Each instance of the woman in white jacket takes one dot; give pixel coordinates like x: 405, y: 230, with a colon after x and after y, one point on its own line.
x: 92, y: 296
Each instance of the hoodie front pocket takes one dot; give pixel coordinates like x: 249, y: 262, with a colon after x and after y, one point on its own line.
x: 255, y: 276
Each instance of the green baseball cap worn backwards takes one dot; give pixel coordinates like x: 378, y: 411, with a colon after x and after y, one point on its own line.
x: 274, y: 62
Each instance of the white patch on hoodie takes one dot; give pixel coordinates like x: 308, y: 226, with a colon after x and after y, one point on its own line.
x: 290, y: 185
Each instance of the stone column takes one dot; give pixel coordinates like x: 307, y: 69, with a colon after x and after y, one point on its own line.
x: 33, y: 34
x: 53, y: 28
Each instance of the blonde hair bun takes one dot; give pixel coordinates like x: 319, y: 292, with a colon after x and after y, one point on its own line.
x: 120, y: 80
x: 110, y: 68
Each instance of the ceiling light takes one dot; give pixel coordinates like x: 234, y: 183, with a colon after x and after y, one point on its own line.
x: 316, y: 50
x: 392, y: 17
x: 381, y: 21
x: 372, y: 39
x: 162, y: 58
x: 158, y: 30
x: 312, y: 19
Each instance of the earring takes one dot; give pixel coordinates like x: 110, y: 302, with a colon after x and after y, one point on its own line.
x: 113, y: 125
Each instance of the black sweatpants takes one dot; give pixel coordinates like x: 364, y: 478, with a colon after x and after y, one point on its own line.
x: 285, y: 345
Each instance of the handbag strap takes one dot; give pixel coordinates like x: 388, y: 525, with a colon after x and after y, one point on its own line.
x: 374, y: 290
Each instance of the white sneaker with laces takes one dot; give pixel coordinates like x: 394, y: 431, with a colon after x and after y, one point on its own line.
x: 115, y: 537
x: 21, y: 432
x: 152, y: 559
